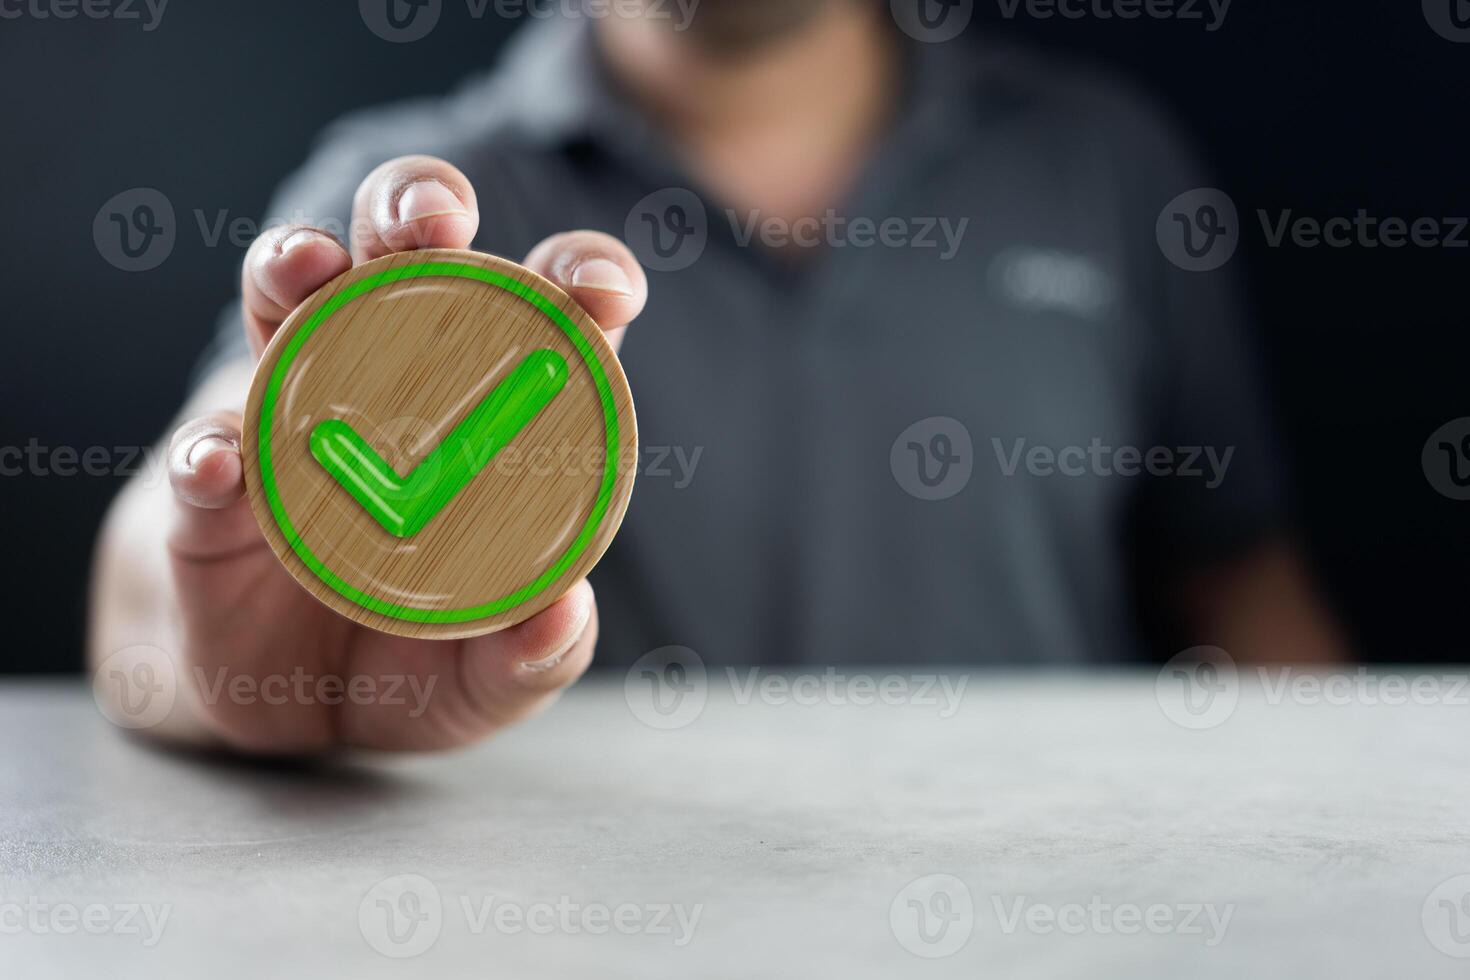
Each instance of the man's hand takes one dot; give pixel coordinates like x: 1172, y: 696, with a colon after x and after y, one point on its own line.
x: 185, y: 568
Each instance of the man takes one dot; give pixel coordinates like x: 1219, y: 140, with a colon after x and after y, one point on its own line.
x: 813, y: 517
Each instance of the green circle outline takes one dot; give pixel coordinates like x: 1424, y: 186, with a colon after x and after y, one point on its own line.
x: 610, y: 426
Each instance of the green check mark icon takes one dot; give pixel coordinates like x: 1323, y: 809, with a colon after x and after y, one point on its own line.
x: 404, y: 505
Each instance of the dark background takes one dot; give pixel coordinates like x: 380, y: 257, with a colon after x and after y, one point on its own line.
x: 1323, y: 109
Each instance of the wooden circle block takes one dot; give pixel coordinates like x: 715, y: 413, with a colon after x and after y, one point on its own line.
x: 439, y: 443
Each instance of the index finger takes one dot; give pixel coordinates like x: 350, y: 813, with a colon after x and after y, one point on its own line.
x: 413, y: 202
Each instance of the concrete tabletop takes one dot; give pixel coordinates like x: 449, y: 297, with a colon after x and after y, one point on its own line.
x: 999, y: 827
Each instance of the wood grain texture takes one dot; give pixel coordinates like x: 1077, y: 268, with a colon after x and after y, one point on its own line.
x: 403, y: 364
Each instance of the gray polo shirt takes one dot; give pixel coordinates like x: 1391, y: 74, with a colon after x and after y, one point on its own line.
x: 939, y: 426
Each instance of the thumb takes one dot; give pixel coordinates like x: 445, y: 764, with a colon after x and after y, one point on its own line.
x: 212, y: 518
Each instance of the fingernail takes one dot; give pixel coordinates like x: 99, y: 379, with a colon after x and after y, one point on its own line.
x: 204, y: 447
x: 602, y: 274
x: 427, y: 199
x: 540, y: 666
x: 297, y: 239
x: 548, y: 662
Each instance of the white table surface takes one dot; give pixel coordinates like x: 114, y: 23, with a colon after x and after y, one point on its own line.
x: 794, y: 830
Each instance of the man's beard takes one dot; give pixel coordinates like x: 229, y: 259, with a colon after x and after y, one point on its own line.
x: 737, y: 27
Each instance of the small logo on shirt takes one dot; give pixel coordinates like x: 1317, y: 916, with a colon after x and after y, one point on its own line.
x: 1199, y: 230
x: 1037, y: 279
